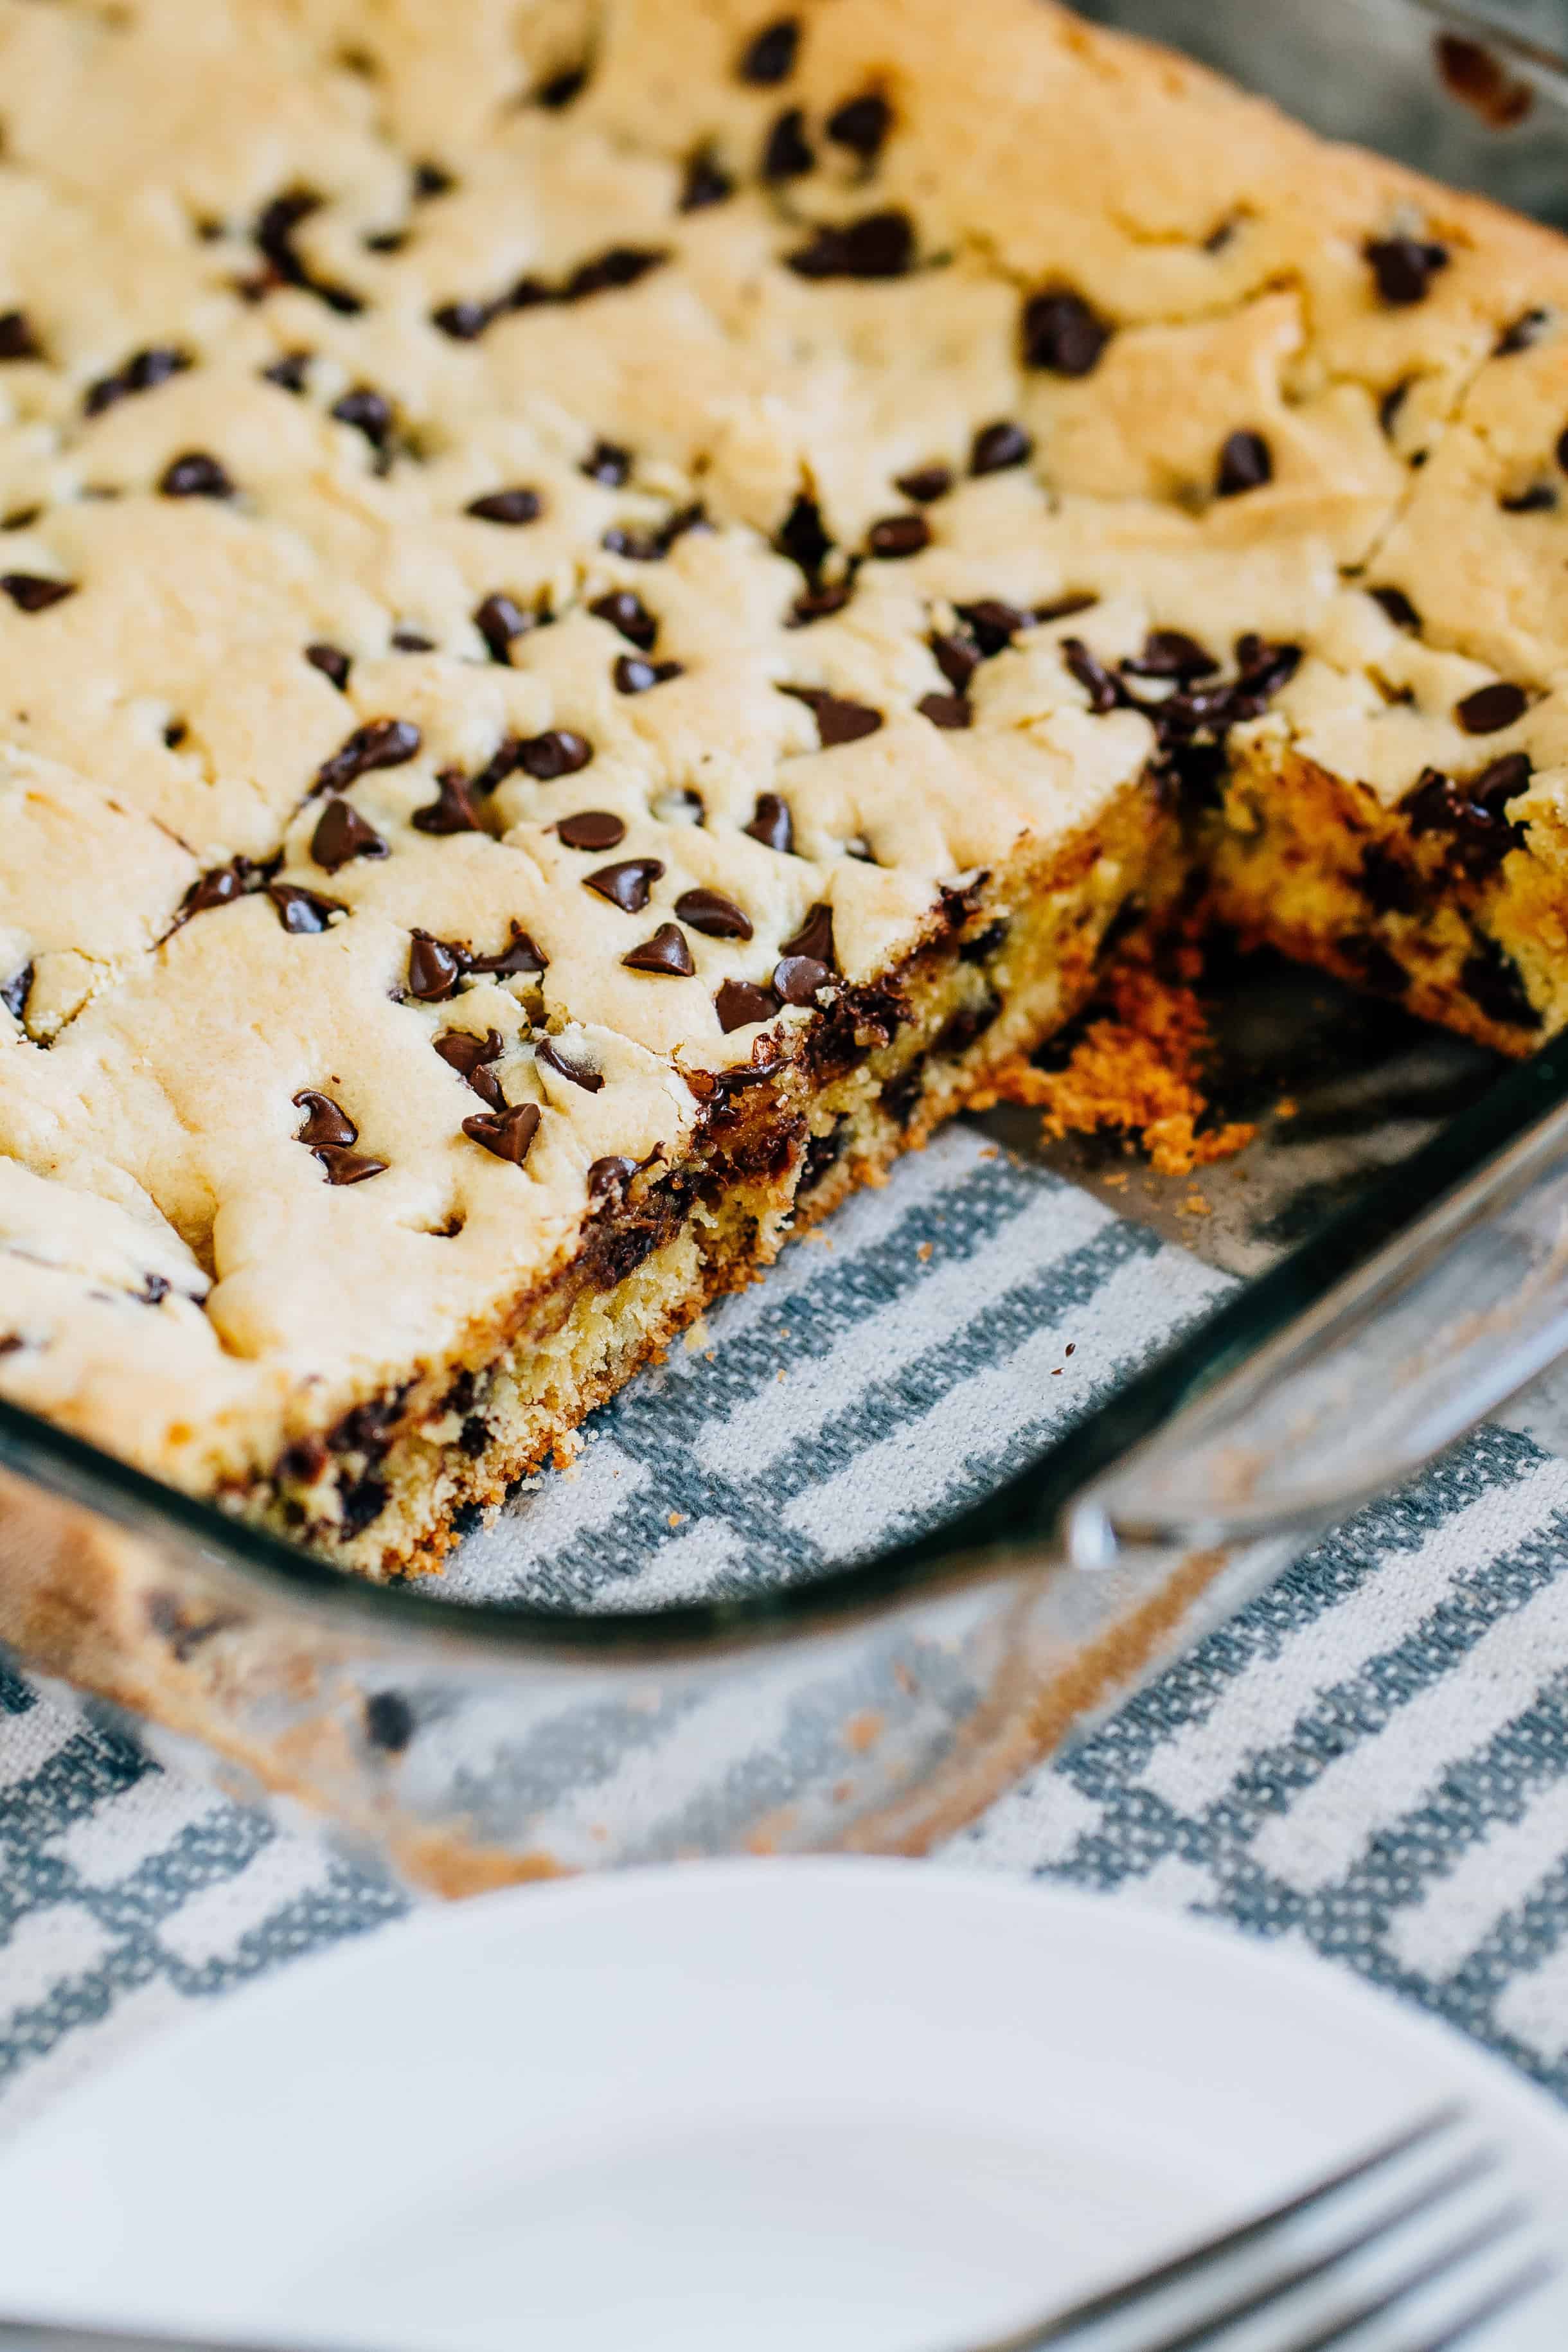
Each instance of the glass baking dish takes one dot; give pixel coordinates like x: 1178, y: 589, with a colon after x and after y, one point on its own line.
x: 1407, y: 1285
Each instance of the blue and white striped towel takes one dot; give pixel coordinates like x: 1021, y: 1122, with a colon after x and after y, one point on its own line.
x: 1372, y: 1761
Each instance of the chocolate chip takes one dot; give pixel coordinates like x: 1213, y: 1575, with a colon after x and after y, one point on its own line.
x: 342, y: 833
x: 388, y: 1721
x: 465, y: 322
x: 997, y: 446
x: 898, y: 535
x: 1171, y: 653
x: 738, y: 1003
x: 453, y: 810
x: 1061, y: 607
x: 143, y: 372
x: 1388, y: 884
x: 956, y: 658
x: 385, y: 240
x: 1536, y: 498
x: 1500, y: 780
x: 195, y: 476
x: 666, y: 953
x: 970, y: 1022
x: 984, y: 943
x: 626, y: 884
x: 629, y: 613
x: 507, y: 1133
x: 274, y: 234
x: 30, y: 592
x: 218, y: 886
x: 1091, y: 673
x: 435, y: 968
x: 771, y: 824
x: 329, y: 1131
x: 331, y: 661
x: 1063, y: 333
x: 652, y: 547
x: 411, y: 641
x: 1473, y: 814
x: 609, y: 1178
x: 813, y: 939
x: 1244, y: 464
x: 557, y: 753
x: 803, y: 537
x: 548, y: 1052
x: 706, y: 183
x: 710, y: 912
x: 592, y: 829
x: 519, y: 957
x: 901, y: 1095
x: 993, y: 625
x: 379, y: 743
x: 325, y: 1120
x: 619, y: 264
x: 1523, y: 332
x: 838, y: 720
x: 861, y: 124
x: 633, y: 675
x: 431, y: 180
x: 561, y: 89
x: 289, y: 374
x: 1493, y: 980
x: 877, y: 245
x: 174, y: 734
x: 1490, y: 708
x: 607, y: 463
x: 303, y: 910
x: 1404, y: 267
x: 14, y: 994
x: 361, y: 1503
x: 797, y: 978
x: 946, y: 710
x: 1560, y: 451
x: 770, y: 56
x: 499, y: 620
x: 637, y: 546
x: 18, y: 517
x: 1397, y: 605
x: 818, y: 604
x: 517, y: 506
x: 471, y: 1057
x: 17, y: 341
x: 787, y: 153
x: 367, y: 410
x: 926, y: 484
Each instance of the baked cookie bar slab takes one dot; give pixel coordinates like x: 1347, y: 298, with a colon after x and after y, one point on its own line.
x: 603, y: 608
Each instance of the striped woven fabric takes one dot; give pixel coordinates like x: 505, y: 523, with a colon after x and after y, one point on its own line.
x: 1371, y: 1760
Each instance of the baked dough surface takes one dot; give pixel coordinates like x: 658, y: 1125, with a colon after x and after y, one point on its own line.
x: 548, y: 553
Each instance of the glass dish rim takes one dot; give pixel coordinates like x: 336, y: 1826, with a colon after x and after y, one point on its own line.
x: 1007, y: 1530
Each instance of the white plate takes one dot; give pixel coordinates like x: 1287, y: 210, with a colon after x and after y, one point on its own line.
x: 860, y: 2107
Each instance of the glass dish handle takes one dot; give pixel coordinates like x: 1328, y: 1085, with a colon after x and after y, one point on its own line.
x: 1401, y: 1357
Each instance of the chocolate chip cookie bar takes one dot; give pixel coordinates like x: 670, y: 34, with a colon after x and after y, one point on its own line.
x: 604, y: 608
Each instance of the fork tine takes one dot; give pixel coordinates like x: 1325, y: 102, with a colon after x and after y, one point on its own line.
x: 1425, y: 2199
x: 1130, y: 2291
x: 1523, y: 2281
x: 1489, y: 2232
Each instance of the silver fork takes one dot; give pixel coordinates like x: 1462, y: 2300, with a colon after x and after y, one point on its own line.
x: 1407, y: 2246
